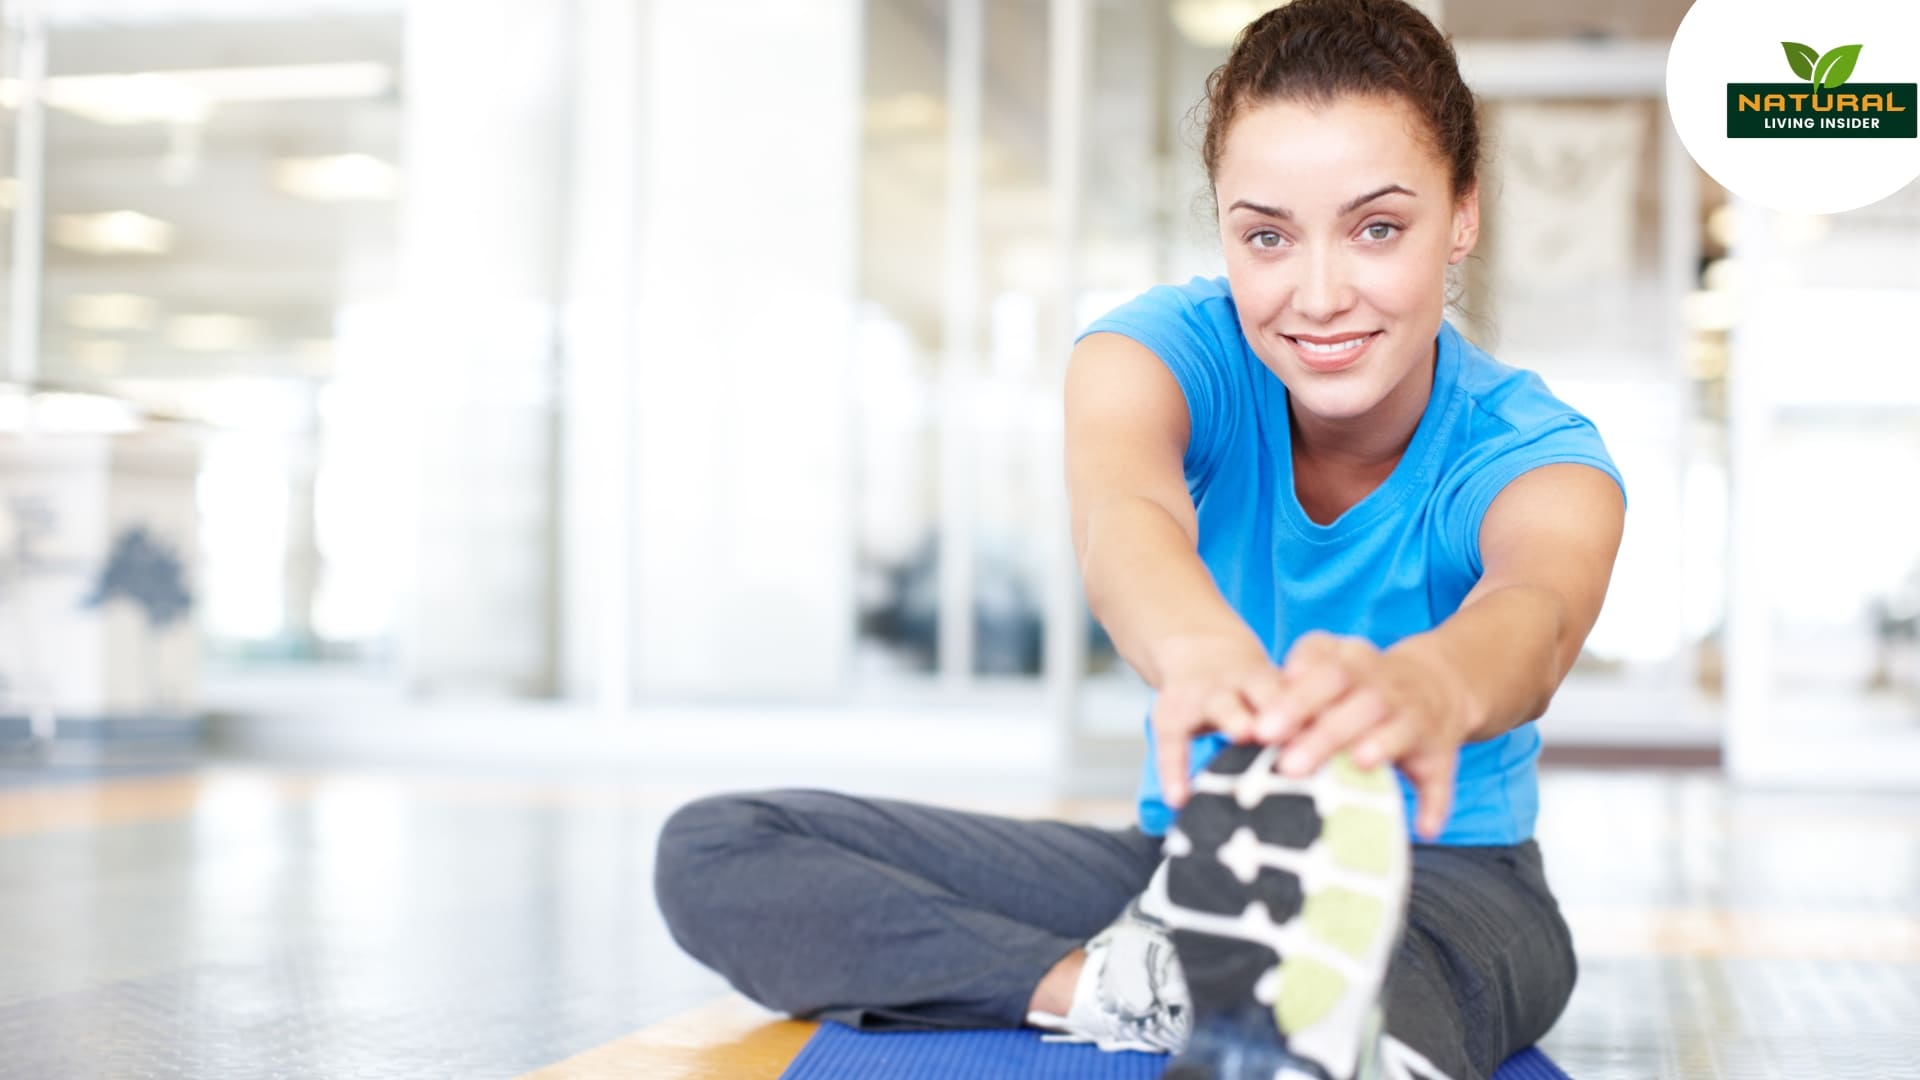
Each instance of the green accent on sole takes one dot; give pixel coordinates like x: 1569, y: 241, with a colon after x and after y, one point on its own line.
x: 1347, y: 920
x: 1359, y: 839
x: 1308, y: 989
x: 1377, y: 778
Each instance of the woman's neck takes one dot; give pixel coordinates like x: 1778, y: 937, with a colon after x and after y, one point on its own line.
x: 1371, y: 443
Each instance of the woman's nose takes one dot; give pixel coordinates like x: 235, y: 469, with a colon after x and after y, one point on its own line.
x: 1323, y: 290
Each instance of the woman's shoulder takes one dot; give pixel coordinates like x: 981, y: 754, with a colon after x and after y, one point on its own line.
x: 1202, y: 304
x: 1203, y: 290
x: 1193, y: 328
x: 1195, y: 332
x: 1503, y: 395
x: 1512, y: 424
x: 1197, y: 291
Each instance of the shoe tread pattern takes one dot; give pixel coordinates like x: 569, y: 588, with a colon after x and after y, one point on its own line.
x: 1225, y: 970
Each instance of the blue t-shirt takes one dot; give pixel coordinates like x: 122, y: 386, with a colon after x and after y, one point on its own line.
x: 1395, y: 564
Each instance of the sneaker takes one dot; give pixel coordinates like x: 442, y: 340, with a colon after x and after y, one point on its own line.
x: 1130, y: 994
x: 1286, y: 898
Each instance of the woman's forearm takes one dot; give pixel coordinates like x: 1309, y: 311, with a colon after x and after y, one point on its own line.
x: 1147, y: 586
x: 1506, y: 654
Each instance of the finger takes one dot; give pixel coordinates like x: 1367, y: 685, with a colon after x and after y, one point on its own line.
x: 1275, y: 717
x: 1310, y: 685
x: 1333, y: 729
x: 1170, y: 758
x: 1227, y: 712
x: 1432, y: 777
x: 1312, y: 645
x: 1386, y: 742
x: 1263, y: 688
x: 1435, y: 802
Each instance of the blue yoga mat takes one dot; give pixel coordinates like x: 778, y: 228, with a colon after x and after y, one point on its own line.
x: 837, y: 1052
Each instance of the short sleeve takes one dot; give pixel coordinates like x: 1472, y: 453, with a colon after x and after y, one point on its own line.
x: 1565, y: 437
x: 1185, y: 326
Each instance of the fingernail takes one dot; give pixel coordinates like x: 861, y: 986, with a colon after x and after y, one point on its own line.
x: 1294, y: 763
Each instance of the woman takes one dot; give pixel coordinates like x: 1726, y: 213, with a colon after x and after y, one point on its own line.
x: 1337, y: 539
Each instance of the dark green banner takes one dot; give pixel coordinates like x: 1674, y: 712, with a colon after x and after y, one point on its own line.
x: 1796, y: 111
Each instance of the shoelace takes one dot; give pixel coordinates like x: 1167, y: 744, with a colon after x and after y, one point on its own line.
x: 1144, y: 1034
x: 1157, y: 1030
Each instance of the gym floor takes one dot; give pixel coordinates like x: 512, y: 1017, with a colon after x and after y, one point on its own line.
x: 236, y: 920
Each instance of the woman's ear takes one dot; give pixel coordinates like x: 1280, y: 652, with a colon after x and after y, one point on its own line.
x: 1466, y: 224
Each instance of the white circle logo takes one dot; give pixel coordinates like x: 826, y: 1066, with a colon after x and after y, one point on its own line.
x: 1807, y: 108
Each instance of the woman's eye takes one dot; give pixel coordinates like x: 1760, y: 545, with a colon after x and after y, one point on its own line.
x: 1381, y: 225
x: 1257, y: 237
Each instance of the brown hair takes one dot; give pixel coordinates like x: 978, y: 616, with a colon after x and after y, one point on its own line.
x: 1319, y: 50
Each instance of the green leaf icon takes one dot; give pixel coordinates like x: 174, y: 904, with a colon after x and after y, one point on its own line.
x: 1801, y: 57
x: 1835, y: 66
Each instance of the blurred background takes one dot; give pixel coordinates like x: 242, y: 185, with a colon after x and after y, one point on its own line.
x: 499, y: 380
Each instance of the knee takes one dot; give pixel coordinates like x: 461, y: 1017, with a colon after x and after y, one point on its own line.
x: 696, y: 845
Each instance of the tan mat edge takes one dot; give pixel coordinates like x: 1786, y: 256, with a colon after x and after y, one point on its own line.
x: 728, y: 1039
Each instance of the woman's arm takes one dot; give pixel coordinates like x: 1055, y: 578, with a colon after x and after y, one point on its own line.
x: 1547, y: 545
x: 1135, y: 534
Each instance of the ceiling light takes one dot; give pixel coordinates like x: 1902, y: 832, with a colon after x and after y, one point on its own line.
x: 189, y: 95
x: 1215, y: 23
x: 117, y: 232
x: 129, y: 99
x: 339, y: 178
x: 111, y: 311
x: 213, y: 333
x: 290, y: 82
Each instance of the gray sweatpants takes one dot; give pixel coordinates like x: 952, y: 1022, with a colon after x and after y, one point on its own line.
x: 891, y: 915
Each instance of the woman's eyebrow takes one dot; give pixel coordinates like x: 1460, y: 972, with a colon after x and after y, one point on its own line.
x: 1287, y: 215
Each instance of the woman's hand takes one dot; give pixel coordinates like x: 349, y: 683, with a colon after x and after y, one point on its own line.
x: 1208, y: 683
x: 1402, y: 706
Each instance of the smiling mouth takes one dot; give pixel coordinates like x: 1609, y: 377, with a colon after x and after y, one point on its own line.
x: 1339, y: 348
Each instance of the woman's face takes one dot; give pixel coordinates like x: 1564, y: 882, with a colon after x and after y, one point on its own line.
x: 1315, y: 251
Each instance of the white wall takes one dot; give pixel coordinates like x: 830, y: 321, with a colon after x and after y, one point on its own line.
x: 747, y: 260
x: 486, y: 121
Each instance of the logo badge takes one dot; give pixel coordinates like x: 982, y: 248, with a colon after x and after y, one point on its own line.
x: 1803, y: 111
x: 1855, y: 92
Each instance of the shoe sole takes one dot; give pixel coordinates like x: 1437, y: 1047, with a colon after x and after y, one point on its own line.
x: 1286, y: 898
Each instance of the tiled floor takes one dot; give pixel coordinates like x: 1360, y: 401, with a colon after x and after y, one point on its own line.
x: 1734, y: 934
x: 236, y: 921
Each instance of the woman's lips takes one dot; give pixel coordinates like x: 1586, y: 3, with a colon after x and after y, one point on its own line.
x: 1323, y: 360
